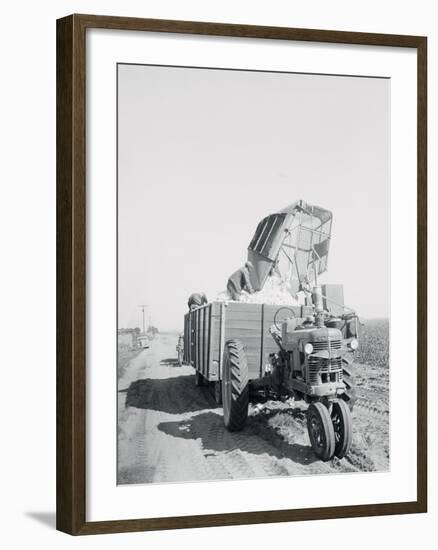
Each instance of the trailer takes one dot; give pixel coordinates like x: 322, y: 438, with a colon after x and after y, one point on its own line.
x: 209, y: 327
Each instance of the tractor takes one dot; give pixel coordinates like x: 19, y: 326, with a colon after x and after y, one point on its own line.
x: 314, y: 364
x: 303, y: 351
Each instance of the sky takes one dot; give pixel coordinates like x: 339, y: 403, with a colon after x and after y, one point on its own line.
x: 204, y: 155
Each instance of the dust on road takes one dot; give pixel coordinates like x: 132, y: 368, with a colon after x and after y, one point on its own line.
x: 170, y: 430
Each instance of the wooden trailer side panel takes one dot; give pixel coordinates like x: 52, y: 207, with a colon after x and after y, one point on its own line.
x: 216, y: 340
x: 244, y: 322
x: 202, y: 328
x: 250, y: 323
x: 208, y: 328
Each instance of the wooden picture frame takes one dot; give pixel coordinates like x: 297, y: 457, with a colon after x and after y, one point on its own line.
x: 71, y: 273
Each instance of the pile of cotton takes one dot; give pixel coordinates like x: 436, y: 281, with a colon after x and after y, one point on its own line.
x: 275, y: 291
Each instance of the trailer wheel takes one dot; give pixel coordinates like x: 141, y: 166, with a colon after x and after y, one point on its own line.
x: 321, y: 432
x: 199, y: 379
x: 350, y: 394
x: 343, y: 427
x: 235, y: 390
x: 217, y: 390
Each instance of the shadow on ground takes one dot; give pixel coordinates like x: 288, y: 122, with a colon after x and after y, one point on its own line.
x: 45, y: 518
x: 258, y: 437
x: 177, y: 395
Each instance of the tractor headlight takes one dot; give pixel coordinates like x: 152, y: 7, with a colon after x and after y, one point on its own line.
x: 308, y: 348
x: 354, y: 344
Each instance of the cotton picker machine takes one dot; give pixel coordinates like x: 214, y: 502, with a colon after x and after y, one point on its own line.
x: 305, y: 351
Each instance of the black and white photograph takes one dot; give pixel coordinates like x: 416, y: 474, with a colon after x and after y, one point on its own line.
x: 219, y: 274
x: 253, y: 274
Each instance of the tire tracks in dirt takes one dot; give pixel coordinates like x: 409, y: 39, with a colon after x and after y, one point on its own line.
x: 170, y: 430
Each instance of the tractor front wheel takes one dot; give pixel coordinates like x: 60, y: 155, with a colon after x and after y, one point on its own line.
x: 343, y: 427
x: 235, y: 390
x: 321, y: 432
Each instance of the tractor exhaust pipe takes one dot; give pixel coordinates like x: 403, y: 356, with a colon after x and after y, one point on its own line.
x: 317, y: 302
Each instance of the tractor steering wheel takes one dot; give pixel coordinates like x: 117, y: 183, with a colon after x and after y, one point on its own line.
x: 277, y: 312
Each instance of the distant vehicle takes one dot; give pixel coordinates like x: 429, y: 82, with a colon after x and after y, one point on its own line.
x: 152, y: 332
x: 143, y: 341
x: 180, y: 349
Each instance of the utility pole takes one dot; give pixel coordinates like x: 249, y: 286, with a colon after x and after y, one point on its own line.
x: 142, y: 310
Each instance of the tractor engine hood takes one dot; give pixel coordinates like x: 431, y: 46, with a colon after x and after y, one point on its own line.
x: 324, y: 340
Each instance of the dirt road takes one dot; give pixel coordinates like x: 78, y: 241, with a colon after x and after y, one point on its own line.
x: 171, y: 430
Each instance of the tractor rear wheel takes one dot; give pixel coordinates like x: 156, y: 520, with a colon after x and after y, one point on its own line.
x: 235, y: 390
x: 321, y: 432
x: 343, y: 427
x: 350, y: 394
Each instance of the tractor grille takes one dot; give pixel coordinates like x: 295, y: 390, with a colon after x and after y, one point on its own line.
x: 324, y: 345
x: 321, y: 371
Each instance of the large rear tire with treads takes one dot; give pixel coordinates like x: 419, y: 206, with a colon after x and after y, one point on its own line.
x: 235, y: 390
x: 350, y: 394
